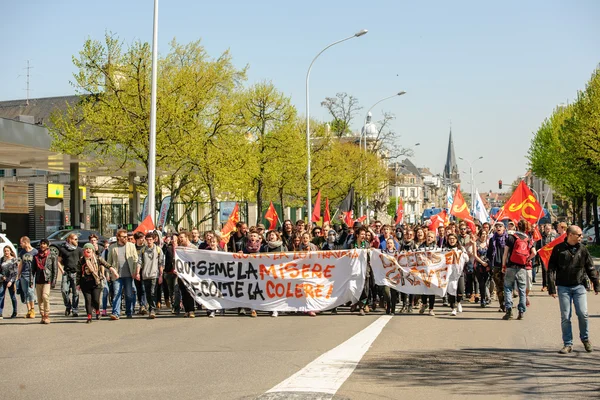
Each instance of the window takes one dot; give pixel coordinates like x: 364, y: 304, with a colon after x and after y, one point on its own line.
x: 401, y: 192
x: 390, y: 192
x: 412, y: 180
x: 412, y: 192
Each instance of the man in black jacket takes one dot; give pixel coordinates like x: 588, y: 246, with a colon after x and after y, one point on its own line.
x: 569, y: 262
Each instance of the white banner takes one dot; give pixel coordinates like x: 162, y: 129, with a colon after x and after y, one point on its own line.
x: 421, y: 272
x: 301, y: 281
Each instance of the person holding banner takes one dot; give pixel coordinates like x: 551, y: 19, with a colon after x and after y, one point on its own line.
x: 390, y: 294
x: 359, y: 241
x: 407, y: 244
x: 455, y: 300
x: 189, y: 305
x: 428, y: 245
x: 273, y: 243
x: 568, y: 266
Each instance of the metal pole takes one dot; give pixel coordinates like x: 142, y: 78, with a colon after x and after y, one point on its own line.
x: 308, y: 185
x: 152, y: 153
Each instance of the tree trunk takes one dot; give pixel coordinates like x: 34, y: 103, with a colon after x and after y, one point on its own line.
x: 282, y: 216
x: 595, y: 212
x: 259, y: 194
x: 588, y: 208
x: 214, y: 208
x: 579, y: 216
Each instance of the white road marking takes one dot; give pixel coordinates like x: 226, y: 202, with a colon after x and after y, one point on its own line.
x: 328, y: 372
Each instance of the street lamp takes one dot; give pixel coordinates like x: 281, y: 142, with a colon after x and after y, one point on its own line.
x: 308, y: 191
x: 472, y: 177
x: 364, y: 137
x: 152, y: 144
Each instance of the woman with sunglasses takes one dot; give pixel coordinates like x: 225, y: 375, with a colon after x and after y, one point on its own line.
x: 455, y: 300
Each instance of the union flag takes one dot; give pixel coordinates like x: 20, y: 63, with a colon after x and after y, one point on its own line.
x: 438, y: 220
x: 146, y: 226
x: 459, y: 207
x: 523, y: 204
x: 326, y: 216
x: 546, y: 251
x: 400, y: 212
x: 272, y: 217
x: 229, y: 226
x: 316, y: 215
x: 536, y: 234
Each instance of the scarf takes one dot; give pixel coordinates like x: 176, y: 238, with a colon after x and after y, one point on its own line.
x: 274, y: 244
x: 40, y: 259
x: 70, y: 246
x: 92, y: 265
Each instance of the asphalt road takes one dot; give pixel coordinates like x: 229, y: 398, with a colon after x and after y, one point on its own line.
x: 474, y: 355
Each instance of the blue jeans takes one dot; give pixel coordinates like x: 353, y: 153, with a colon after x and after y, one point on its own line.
x: 518, y: 276
x: 68, y: 284
x: 106, y: 290
x: 13, y: 297
x: 578, y: 296
x: 118, y: 286
x: 27, y: 292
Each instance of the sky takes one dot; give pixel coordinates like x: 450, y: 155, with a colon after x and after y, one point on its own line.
x: 492, y: 71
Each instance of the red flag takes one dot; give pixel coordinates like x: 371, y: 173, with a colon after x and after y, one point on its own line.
x: 438, y: 220
x: 316, y: 215
x: 546, y: 251
x: 326, y: 216
x: 470, y: 223
x: 523, y: 204
x: 459, y: 207
x: 347, y: 206
x: 400, y: 212
x: 272, y: 217
x: 362, y: 219
x: 229, y: 226
x: 146, y: 226
x: 536, y: 234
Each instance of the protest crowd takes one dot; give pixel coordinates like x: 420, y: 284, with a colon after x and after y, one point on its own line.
x: 137, y: 275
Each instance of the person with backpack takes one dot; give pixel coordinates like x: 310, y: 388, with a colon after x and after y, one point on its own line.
x: 518, y: 253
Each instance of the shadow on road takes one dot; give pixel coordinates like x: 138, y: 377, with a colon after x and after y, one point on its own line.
x: 489, y: 371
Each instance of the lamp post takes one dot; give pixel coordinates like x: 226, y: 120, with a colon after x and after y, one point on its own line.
x: 364, y: 138
x: 152, y: 147
x: 472, y: 177
x: 308, y: 191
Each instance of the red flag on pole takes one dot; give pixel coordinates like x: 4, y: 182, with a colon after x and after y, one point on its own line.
x: 400, y: 212
x: 536, y: 234
x: 546, y: 251
x: 523, y: 204
x: 146, y: 226
x: 229, y: 226
x: 362, y: 219
x: 459, y: 207
x: 316, y: 215
x: 326, y: 216
x: 347, y: 206
x: 438, y: 220
x: 272, y: 217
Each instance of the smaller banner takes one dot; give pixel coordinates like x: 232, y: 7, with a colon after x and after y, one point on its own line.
x: 420, y: 272
x: 301, y: 281
x: 164, y: 209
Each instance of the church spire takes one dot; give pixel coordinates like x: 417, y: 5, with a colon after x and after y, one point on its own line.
x: 451, y: 168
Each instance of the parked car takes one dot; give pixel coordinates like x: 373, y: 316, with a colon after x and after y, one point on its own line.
x: 4, y: 242
x: 589, y: 235
x: 58, y: 238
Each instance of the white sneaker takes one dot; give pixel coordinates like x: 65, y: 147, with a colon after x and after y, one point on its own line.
x: 453, y: 313
x: 431, y: 313
x: 211, y: 314
x: 459, y: 307
x: 274, y: 314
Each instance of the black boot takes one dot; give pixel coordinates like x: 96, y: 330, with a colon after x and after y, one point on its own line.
x: 508, y: 314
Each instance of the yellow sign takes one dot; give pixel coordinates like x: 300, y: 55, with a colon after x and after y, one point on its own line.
x: 56, y: 191
x: 82, y: 188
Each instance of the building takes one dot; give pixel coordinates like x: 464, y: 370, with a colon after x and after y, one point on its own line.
x: 407, y: 183
x: 451, y: 175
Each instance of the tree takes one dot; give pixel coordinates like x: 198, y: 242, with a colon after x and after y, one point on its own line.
x: 112, y: 121
x: 269, y: 121
x: 343, y: 109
